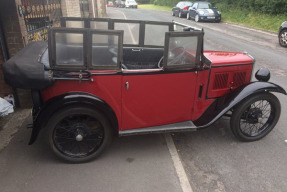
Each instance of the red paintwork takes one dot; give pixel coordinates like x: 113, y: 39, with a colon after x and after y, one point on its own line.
x: 226, y: 58
x: 106, y: 87
x: 157, y: 99
x: 201, y: 104
x: 231, y: 83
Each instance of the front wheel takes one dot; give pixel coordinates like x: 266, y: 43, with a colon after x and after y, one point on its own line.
x: 196, y: 19
x: 180, y: 14
x: 255, y: 117
x: 78, y: 134
x: 283, y: 38
x: 187, y: 16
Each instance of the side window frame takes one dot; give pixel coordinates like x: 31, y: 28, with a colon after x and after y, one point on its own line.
x: 53, y: 52
x: 199, y: 50
x: 118, y: 33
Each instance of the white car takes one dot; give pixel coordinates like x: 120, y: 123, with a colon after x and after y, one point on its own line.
x: 131, y: 4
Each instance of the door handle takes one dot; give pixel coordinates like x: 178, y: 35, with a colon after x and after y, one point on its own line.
x: 127, y: 85
x: 137, y: 50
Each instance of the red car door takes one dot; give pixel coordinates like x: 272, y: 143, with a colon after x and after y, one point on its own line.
x: 159, y: 97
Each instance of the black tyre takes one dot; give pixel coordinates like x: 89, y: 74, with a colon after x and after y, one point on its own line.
x: 78, y: 134
x: 255, y: 117
x: 188, y: 16
x: 172, y: 13
x: 283, y: 38
x: 180, y: 14
x: 196, y: 18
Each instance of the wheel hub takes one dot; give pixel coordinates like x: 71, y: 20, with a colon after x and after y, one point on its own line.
x: 79, y: 137
x: 79, y: 132
x: 255, y: 116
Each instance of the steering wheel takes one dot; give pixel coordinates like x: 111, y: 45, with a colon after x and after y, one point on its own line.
x: 178, y: 55
x: 160, y: 63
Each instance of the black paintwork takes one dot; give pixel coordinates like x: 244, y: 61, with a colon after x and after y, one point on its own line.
x: 66, y: 100
x: 223, y: 104
x: 263, y: 74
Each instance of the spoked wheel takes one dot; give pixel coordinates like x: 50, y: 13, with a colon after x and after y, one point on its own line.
x: 180, y: 14
x: 172, y: 13
x: 255, y: 117
x: 78, y: 134
x: 283, y: 38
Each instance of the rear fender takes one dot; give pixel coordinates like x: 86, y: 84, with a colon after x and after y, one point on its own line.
x: 74, y: 98
x: 223, y: 104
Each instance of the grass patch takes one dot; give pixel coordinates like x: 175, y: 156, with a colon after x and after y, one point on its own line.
x: 258, y: 20
x: 157, y: 7
x: 253, y: 19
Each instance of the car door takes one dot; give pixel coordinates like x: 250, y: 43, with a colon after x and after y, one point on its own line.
x: 193, y: 10
x: 163, y: 96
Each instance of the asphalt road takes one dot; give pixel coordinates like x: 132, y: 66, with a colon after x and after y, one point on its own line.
x: 213, y: 159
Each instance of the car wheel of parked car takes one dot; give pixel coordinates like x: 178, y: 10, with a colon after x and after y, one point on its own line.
x: 79, y: 134
x: 196, y: 19
x: 255, y: 117
x: 283, y: 38
x: 187, y: 16
x: 180, y: 14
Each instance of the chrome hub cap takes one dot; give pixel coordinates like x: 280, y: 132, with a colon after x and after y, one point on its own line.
x: 79, y: 137
x: 284, y: 38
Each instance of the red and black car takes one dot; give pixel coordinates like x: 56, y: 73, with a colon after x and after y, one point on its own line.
x: 88, y: 85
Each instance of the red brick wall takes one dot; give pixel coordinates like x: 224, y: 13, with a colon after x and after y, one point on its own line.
x: 4, y: 88
x: 13, y: 26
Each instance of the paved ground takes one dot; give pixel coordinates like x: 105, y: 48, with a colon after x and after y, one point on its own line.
x: 137, y: 163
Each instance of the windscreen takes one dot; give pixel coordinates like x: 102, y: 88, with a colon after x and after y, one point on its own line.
x: 182, y: 50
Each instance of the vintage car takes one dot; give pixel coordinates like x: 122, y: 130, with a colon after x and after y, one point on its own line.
x: 106, y: 77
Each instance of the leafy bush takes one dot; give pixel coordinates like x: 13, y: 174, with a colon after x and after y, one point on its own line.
x: 273, y: 7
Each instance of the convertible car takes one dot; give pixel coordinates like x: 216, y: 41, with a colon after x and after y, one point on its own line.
x: 96, y: 78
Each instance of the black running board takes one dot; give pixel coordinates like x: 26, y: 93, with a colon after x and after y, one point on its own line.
x: 175, y: 127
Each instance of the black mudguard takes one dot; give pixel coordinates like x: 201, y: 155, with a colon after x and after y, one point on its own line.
x: 223, y: 104
x: 69, y: 99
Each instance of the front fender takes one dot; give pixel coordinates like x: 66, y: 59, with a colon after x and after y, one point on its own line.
x: 72, y: 98
x: 223, y: 104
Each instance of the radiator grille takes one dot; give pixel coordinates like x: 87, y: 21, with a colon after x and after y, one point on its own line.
x: 221, y: 81
x: 239, y: 78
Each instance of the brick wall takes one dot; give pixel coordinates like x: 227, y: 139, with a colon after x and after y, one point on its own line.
x: 70, y: 8
x: 15, y: 35
x: 12, y: 35
x: 4, y: 88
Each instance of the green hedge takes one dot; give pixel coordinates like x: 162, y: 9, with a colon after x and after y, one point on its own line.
x: 272, y: 7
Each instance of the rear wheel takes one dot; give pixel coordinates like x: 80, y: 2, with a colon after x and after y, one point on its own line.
x: 79, y: 134
x: 283, y: 38
x: 255, y: 117
x: 172, y: 13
